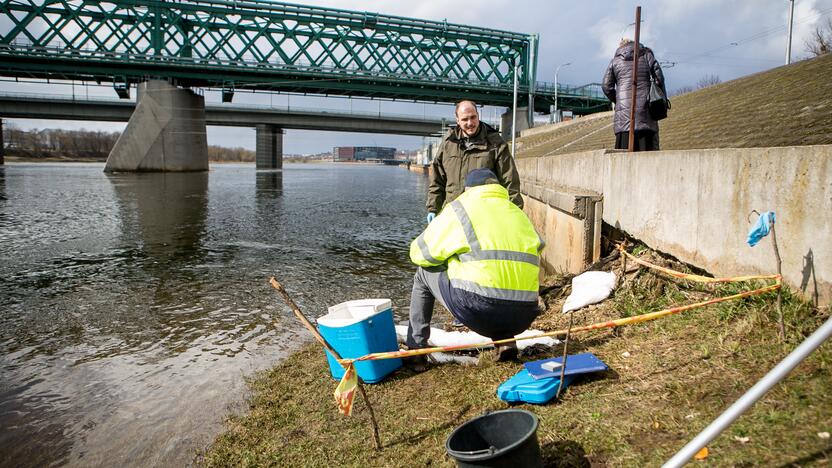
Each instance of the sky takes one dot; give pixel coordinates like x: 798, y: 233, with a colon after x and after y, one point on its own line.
x: 692, y: 39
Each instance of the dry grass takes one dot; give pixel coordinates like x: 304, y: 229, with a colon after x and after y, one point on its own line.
x: 668, y: 379
x: 786, y: 106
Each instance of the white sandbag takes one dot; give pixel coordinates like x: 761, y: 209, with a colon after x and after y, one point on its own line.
x: 441, y: 338
x: 589, y: 288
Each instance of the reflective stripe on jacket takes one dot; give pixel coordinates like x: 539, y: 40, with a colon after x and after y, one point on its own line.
x: 488, y: 243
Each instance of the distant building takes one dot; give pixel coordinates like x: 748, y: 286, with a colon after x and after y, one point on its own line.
x: 425, y: 155
x: 362, y: 153
x: 343, y: 153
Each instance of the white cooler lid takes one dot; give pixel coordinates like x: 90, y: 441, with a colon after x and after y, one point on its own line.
x: 350, y: 312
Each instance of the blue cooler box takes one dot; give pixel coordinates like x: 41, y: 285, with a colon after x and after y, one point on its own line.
x: 356, y: 328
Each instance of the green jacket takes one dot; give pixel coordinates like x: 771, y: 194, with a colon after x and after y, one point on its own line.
x: 452, y: 163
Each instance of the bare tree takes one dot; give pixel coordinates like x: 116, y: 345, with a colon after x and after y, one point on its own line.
x: 682, y: 90
x: 708, y: 80
x: 820, y: 42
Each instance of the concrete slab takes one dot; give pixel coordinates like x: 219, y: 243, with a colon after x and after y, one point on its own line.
x: 570, y: 223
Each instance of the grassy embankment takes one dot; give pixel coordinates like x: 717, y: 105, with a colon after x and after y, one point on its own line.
x: 786, y: 106
x: 668, y: 379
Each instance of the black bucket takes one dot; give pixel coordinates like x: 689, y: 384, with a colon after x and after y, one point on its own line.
x: 505, y: 438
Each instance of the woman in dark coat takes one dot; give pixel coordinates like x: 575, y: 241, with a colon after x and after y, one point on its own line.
x: 618, y: 87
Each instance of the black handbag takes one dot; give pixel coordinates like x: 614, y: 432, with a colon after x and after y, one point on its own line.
x: 658, y: 103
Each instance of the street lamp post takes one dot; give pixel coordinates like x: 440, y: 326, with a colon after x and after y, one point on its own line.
x: 555, y: 114
x: 789, y: 44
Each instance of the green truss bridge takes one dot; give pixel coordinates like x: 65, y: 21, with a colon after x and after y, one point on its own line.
x: 262, y: 45
x: 172, y: 50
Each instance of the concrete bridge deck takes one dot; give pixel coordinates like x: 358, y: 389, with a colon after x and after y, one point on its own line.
x: 39, y: 106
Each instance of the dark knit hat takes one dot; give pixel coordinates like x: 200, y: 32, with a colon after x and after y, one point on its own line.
x: 480, y: 177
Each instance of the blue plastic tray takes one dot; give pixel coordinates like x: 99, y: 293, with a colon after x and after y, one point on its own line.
x: 522, y: 387
x: 575, y: 364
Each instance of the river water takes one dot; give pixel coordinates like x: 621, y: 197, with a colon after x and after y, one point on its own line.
x: 133, y: 306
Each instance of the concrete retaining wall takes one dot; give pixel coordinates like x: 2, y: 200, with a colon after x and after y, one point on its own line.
x: 694, y: 205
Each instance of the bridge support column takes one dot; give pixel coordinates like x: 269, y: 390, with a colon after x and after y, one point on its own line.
x: 269, y: 147
x: 166, y: 132
x: 522, y: 122
x: 2, y: 145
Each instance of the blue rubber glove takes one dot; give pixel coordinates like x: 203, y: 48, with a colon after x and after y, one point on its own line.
x: 430, y: 217
x: 761, y: 228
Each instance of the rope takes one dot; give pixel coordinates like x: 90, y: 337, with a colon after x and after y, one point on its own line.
x: 696, y: 278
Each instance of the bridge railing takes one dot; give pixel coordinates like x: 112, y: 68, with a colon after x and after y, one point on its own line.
x: 591, y: 90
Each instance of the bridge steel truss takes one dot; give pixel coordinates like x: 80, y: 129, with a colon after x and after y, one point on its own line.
x: 262, y: 45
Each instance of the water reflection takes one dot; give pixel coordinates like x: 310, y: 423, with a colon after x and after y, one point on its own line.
x: 2, y: 183
x: 165, y: 213
x: 269, y: 184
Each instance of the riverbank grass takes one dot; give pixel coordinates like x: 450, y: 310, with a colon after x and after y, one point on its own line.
x: 668, y: 379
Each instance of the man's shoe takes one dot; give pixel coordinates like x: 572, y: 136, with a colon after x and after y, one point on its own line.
x: 507, y: 352
x: 416, y: 363
x: 457, y: 324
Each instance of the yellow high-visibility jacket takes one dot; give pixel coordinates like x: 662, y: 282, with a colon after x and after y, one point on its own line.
x: 488, y: 243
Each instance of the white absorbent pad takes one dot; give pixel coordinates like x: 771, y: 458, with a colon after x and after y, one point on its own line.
x: 445, y: 358
x: 589, y: 288
x: 442, y: 338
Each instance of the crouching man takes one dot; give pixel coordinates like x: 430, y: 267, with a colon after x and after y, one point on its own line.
x: 480, y: 257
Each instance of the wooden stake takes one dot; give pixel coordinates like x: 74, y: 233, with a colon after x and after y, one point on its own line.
x: 306, y: 323
x: 565, y: 353
x: 623, y: 267
x: 779, y: 291
x: 631, y: 146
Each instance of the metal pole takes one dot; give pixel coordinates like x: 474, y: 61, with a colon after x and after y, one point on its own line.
x: 631, y: 143
x: 557, y: 112
x: 789, y: 43
x: 514, y: 114
x: 771, y: 379
x: 531, y: 76
x: 2, y: 145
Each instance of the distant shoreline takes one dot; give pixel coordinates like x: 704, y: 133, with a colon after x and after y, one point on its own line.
x: 51, y: 159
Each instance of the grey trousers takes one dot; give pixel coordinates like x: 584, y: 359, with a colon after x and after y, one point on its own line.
x: 422, y: 298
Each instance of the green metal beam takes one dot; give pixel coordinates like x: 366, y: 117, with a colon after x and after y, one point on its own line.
x: 266, y: 45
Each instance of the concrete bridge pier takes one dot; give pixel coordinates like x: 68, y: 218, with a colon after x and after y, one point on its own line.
x: 522, y: 122
x: 269, y: 147
x: 165, y: 133
x: 2, y: 145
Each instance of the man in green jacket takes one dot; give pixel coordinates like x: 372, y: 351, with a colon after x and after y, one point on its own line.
x: 480, y: 258
x: 469, y: 145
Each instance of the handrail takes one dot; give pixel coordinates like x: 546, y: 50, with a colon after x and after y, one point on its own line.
x: 774, y: 376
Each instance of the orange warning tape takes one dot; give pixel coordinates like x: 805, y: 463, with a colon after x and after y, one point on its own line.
x: 595, y: 326
x: 344, y: 394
